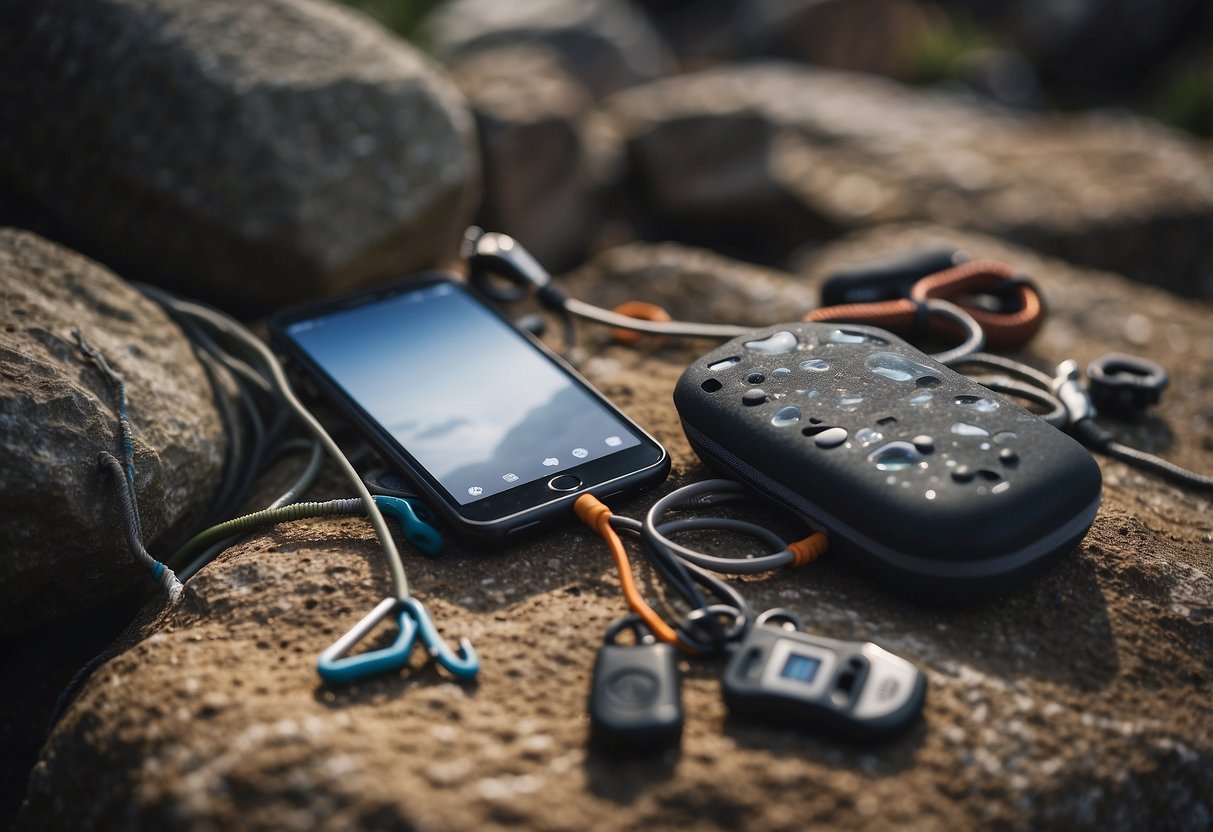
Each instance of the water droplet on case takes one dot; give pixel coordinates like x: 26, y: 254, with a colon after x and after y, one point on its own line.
x: 780, y: 372
x: 851, y: 336
x: 724, y: 363
x: 850, y: 399
x: 921, y: 398
x: 979, y: 403
x: 897, y: 367
x: 815, y: 365
x: 1004, y: 436
x: 967, y: 429
x: 831, y: 437
x: 786, y: 416
x: 895, y: 456
x: 778, y: 344
x: 868, y: 436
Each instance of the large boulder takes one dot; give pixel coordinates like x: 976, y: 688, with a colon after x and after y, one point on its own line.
x: 608, y: 44
x: 62, y: 549
x: 250, y: 151
x: 761, y: 158
x: 549, y: 165
x: 1080, y: 701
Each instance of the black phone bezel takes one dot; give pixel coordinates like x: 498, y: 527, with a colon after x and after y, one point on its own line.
x: 523, y: 506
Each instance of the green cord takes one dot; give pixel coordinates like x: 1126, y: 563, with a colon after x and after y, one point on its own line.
x: 265, y: 517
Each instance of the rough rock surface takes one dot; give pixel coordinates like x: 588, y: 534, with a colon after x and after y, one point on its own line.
x: 608, y: 44
x: 691, y: 284
x: 255, y: 152
x: 61, y: 546
x: 758, y: 159
x: 1082, y: 700
x: 548, y: 164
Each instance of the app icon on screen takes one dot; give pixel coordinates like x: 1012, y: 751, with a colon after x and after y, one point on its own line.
x: 511, y: 477
x: 475, y: 490
x: 613, y: 441
x: 551, y: 461
x: 580, y: 453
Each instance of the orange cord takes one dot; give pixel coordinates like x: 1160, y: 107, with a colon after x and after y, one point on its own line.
x: 809, y: 549
x: 642, y: 310
x: 597, y: 516
x: 1003, y: 329
x: 1009, y: 329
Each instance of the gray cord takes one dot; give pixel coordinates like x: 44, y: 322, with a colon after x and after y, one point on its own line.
x: 707, y: 493
x: 130, y: 524
x: 677, y: 329
x: 975, y: 338
x: 232, y: 329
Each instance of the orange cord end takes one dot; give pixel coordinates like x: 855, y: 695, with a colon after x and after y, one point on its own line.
x: 809, y: 549
x: 595, y: 514
x: 642, y: 310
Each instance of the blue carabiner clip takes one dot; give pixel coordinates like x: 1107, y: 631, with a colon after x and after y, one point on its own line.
x: 336, y: 667
x: 465, y: 664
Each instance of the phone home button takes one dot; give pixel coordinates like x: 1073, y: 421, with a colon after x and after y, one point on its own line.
x: 564, y: 482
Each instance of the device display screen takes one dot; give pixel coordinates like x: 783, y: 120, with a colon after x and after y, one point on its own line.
x: 801, y: 668
x: 470, y: 398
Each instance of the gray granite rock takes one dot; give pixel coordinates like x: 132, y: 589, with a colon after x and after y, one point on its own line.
x: 761, y: 158
x: 549, y: 165
x: 251, y: 151
x: 61, y: 546
x: 608, y: 44
x: 1080, y: 701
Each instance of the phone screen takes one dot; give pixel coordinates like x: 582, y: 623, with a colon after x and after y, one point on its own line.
x: 468, y: 396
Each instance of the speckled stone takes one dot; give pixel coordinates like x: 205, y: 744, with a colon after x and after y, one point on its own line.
x: 252, y: 151
x: 62, y: 550
x: 759, y: 159
x: 1083, y: 700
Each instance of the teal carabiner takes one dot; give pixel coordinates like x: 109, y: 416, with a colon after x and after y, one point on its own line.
x: 337, y: 667
x: 465, y: 664
x: 416, y: 528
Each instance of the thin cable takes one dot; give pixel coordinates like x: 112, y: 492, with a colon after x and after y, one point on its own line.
x: 288, y: 497
x: 598, y: 517
x: 233, y: 329
x: 678, y: 329
x: 161, y: 574
x: 1100, y: 439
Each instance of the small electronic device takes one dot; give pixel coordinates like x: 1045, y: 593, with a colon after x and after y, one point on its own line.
x: 635, y: 697
x: 491, y: 426
x: 920, y: 475
x: 850, y: 688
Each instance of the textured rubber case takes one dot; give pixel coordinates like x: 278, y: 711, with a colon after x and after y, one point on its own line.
x: 919, y: 475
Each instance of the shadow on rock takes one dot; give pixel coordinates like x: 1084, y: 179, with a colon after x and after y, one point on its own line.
x: 623, y: 780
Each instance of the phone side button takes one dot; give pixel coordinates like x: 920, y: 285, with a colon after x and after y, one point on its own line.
x: 564, y: 482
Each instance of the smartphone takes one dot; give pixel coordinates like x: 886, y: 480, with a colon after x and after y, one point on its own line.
x: 496, y: 430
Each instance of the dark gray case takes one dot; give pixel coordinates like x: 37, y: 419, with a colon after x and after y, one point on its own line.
x: 919, y: 475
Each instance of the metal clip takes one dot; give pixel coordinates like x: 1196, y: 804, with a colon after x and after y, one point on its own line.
x: 1072, y: 393
x: 336, y: 667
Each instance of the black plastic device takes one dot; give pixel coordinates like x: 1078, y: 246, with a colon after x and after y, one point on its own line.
x: 636, y: 698
x: 920, y: 475
x: 495, y: 431
x: 849, y: 688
